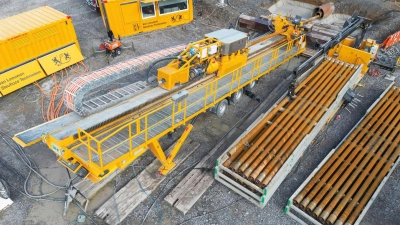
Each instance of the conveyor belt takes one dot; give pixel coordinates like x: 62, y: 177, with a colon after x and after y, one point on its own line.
x: 250, y: 166
x: 339, y: 191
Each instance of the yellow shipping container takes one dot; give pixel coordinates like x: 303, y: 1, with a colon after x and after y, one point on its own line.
x: 34, y: 44
x: 129, y: 17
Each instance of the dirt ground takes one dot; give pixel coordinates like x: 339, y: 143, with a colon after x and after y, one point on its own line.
x: 219, y: 205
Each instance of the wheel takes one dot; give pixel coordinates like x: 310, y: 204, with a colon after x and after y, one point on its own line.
x: 118, y: 51
x: 4, y: 191
x: 250, y: 86
x: 220, y: 108
x: 237, y: 96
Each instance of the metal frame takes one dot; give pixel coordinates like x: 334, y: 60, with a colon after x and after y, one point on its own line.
x: 303, y: 217
x: 266, y: 193
x: 105, y: 149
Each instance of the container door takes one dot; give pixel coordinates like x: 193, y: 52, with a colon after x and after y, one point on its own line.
x: 131, y: 17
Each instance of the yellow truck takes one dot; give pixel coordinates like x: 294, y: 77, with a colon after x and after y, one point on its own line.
x: 35, y: 44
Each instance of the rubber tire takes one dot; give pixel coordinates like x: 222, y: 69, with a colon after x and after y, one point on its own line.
x: 118, y: 51
x: 221, y: 107
x: 250, y: 86
x: 4, y: 183
x: 237, y: 96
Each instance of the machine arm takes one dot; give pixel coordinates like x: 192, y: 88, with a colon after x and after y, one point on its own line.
x: 350, y: 26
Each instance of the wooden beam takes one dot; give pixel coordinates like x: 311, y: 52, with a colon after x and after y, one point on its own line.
x: 131, y: 195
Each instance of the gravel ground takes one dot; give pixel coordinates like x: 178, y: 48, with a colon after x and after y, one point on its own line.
x: 21, y: 110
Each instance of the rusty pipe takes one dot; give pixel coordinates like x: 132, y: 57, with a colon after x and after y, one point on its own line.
x: 337, y: 172
x: 313, y: 73
x: 366, y: 194
x: 375, y: 153
x: 356, y: 155
x: 311, y: 19
x: 239, y: 147
x: 237, y: 164
x: 322, y: 77
x: 300, y: 109
x: 324, y: 10
x: 339, y: 155
x: 285, y: 118
x: 259, y: 40
x: 372, y: 176
x: 305, y: 128
x: 373, y: 187
x: 345, y: 175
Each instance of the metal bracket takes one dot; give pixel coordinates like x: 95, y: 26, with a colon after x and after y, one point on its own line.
x: 70, y: 195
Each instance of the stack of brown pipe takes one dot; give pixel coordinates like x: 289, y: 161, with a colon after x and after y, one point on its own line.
x: 339, y: 191
x: 262, y: 152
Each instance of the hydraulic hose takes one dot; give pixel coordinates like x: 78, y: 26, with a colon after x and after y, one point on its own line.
x: 155, y: 84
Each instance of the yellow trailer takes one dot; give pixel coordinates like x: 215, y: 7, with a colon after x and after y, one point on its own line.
x: 129, y: 17
x: 34, y: 44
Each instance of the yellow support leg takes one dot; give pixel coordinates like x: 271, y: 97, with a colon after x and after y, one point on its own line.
x: 168, y: 164
x: 156, y: 149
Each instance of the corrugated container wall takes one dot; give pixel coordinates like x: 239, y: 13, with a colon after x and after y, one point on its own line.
x: 31, y: 34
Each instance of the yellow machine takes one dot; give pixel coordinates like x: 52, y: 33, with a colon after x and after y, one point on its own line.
x: 224, y: 63
x: 127, y: 17
x: 206, y: 57
x: 45, y: 42
x: 364, y: 55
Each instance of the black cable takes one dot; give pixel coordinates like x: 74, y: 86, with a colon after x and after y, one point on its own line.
x: 178, y: 174
x: 229, y: 4
x: 115, y: 199
x: 84, y: 212
x: 383, y: 15
x: 149, y: 197
x: 217, y: 210
x: 17, y: 149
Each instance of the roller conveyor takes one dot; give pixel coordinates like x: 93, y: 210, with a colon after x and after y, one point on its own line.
x: 345, y: 184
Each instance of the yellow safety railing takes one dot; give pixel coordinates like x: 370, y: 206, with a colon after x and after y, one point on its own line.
x: 180, y: 112
x: 85, y: 138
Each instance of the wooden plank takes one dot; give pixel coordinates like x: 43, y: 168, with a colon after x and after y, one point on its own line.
x: 186, y: 202
x: 193, y: 186
x: 89, y: 189
x: 193, y: 177
x: 130, y: 196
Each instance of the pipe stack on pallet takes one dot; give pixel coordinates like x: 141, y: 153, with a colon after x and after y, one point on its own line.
x: 263, y: 151
x: 339, y: 191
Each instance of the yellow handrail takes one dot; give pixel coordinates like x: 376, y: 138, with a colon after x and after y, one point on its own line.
x: 211, y: 89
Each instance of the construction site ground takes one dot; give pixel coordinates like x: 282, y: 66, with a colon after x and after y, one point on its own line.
x: 219, y: 205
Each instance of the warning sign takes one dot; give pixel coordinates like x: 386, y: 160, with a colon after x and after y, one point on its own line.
x: 60, y: 59
x: 19, y: 77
